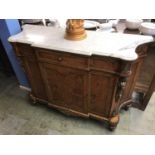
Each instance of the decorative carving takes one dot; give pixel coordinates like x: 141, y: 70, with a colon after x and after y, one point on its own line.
x: 142, y: 50
x: 125, y: 72
x: 120, y: 87
x: 75, y: 29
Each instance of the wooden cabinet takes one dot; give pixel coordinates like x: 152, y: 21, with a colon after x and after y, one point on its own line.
x: 87, y: 86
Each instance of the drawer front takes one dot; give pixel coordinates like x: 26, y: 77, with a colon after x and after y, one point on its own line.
x: 61, y: 58
x: 104, y: 63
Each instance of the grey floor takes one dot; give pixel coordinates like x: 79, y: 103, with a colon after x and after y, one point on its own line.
x: 18, y: 116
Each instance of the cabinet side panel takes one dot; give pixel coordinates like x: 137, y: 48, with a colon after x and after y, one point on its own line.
x: 127, y: 94
x: 32, y: 69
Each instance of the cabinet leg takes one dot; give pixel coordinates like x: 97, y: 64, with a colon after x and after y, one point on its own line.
x: 33, y: 99
x: 113, y: 123
x: 126, y: 108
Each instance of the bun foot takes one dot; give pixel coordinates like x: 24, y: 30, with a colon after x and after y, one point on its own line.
x: 113, y: 123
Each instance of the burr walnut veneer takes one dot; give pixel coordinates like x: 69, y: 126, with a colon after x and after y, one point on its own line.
x: 87, y: 85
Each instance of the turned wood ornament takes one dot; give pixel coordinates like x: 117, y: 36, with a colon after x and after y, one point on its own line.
x: 114, y: 120
x: 75, y: 29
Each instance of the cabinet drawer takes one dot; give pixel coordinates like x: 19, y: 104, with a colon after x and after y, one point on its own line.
x: 62, y: 58
x: 104, y: 63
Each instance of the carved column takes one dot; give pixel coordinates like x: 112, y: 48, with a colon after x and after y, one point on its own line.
x: 124, y: 73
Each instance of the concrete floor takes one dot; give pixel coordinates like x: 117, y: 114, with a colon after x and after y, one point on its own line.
x: 18, y: 116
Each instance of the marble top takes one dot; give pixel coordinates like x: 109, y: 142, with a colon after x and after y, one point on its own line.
x: 116, y: 45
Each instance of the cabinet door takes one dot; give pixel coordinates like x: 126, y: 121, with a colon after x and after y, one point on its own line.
x: 102, y: 90
x: 65, y: 86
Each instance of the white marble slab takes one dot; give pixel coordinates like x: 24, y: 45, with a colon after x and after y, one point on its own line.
x: 97, y: 43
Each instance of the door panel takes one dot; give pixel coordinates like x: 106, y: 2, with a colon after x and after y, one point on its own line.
x: 65, y: 86
x: 102, y: 89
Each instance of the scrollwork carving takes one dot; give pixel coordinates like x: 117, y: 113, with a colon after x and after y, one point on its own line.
x: 125, y: 73
x: 120, y: 87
